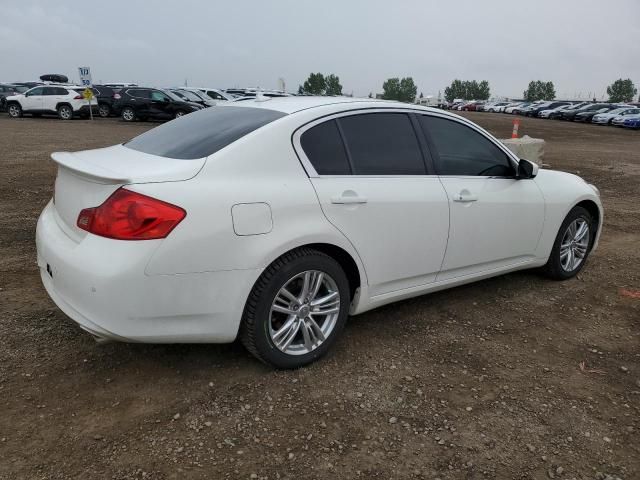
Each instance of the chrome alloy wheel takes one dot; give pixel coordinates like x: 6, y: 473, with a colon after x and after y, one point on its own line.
x: 304, y: 312
x: 128, y: 114
x: 573, y: 248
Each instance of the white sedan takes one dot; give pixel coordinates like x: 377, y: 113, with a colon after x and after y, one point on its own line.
x: 274, y: 220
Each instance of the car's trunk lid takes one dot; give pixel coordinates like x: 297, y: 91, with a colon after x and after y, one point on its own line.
x: 86, y: 179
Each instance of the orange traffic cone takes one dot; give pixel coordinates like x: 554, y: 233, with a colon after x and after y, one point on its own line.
x: 516, y: 124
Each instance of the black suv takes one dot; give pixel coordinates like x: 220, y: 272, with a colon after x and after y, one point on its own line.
x: 7, y: 90
x: 106, y: 98
x: 150, y: 103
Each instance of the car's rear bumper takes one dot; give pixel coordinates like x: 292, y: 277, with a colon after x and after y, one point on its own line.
x: 101, y: 284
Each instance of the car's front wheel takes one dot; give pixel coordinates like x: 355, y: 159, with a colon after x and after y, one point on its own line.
x: 296, y: 310
x: 572, y: 245
x: 15, y: 111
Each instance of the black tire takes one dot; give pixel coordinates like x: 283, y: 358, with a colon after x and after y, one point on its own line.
x: 554, y: 268
x: 65, y: 112
x: 128, y: 114
x: 104, y: 110
x: 254, y: 329
x: 14, y: 109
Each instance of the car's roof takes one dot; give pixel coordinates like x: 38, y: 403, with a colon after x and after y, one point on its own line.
x: 297, y: 103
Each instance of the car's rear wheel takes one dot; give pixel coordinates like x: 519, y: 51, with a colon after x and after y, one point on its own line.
x: 296, y: 310
x: 65, y: 112
x: 128, y: 114
x: 15, y: 111
x: 104, y: 110
x: 572, y: 245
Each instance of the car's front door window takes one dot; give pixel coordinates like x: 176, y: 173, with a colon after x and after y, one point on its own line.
x: 461, y: 151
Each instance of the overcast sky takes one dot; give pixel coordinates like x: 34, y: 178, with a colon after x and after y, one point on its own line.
x: 581, y: 45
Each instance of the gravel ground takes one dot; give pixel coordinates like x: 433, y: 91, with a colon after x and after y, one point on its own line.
x: 482, y: 381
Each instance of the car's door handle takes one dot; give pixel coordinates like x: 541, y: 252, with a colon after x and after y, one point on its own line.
x: 465, y: 196
x: 348, y: 197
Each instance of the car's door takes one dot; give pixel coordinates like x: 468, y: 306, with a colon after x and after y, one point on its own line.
x: 140, y: 100
x: 161, y: 105
x: 495, y: 219
x: 33, y: 100
x: 370, y: 175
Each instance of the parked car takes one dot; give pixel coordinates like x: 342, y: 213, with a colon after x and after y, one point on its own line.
x: 151, y: 103
x: 189, y: 96
x: 502, y: 108
x: 268, y: 221
x: 585, y: 117
x: 106, y: 98
x: 516, y: 107
x: 620, y: 119
x: 591, y: 107
x: 472, y: 106
x: 7, y: 90
x: 607, y: 117
x: 557, y: 113
x: 217, y: 94
x: 495, y: 107
x: 203, y: 96
x: 63, y: 101
x: 632, y: 121
x: 535, y: 110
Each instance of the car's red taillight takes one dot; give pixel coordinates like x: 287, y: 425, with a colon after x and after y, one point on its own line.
x: 78, y: 97
x: 117, y: 96
x: 128, y: 215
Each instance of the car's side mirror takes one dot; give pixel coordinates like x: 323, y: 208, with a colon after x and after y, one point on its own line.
x: 526, y: 169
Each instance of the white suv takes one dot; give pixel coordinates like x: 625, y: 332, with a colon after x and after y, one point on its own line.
x: 62, y: 100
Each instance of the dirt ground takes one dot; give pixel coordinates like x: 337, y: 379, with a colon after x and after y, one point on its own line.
x: 482, y: 381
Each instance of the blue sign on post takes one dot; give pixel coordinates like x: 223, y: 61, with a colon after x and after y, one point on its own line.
x: 85, y: 76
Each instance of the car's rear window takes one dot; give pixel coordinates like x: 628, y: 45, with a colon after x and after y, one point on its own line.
x: 202, y: 133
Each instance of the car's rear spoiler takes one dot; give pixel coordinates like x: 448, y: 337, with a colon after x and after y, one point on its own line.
x: 86, y: 169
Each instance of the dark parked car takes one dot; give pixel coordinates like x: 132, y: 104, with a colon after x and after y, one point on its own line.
x: 189, y: 96
x: 151, y: 103
x: 591, y: 107
x: 533, y: 112
x: 588, y: 115
x: 106, y: 99
x: 7, y: 89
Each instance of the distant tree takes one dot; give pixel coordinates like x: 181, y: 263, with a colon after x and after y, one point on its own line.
x: 315, y: 84
x: 421, y: 95
x: 300, y: 90
x: 539, y: 90
x: 370, y: 94
x: 622, y: 91
x: 404, y: 90
x: 455, y: 90
x: 332, y: 85
x: 468, y: 90
x: 484, y: 91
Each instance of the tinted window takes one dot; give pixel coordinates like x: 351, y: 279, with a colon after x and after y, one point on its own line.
x: 202, y: 133
x: 139, y: 93
x: 382, y: 144
x: 323, y: 146
x: 36, y: 91
x: 463, y: 151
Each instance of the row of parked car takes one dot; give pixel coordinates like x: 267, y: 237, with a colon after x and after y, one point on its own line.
x: 129, y: 101
x: 622, y: 115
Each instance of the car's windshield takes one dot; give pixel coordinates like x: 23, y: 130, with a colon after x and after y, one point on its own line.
x: 189, y: 95
x: 173, y: 96
x: 202, y: 133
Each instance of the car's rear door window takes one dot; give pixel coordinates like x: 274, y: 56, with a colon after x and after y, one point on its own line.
x: 325, y: 150
x: 382, y: 143
x: 202, y: 133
